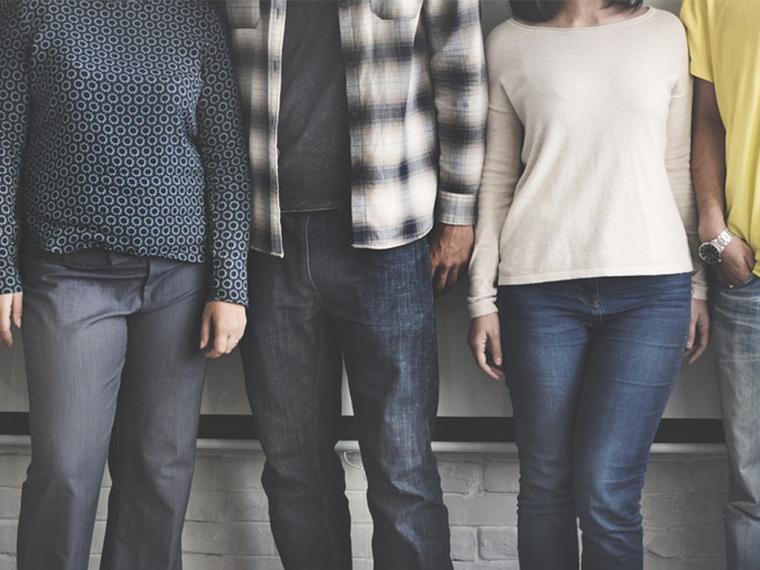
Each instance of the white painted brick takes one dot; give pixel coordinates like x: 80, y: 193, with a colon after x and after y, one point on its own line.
x: 357, y: 504
x: 102, y: 511
x: 667, y: 543
x: 497, y: 543
x: 500, y: 565
x: 209, y: 562
x: 464, y: 543
x: 207, y: 505
x: 227, y: 525
x: 490, y: 509
x: 98, y: 536
x: 7, y: 537
x: 356, y: 479
x: 247, y: 505
x: 13, y: 468
x: 667, y: 510
x: 666, y: 477
x: 10, y: 501
x: 652, y: 562
x: 710, y: 475
x: 502, y: 477
x: 361, y: 540
x: 704, y: 541
x: 232, y: 539
x: 229, y: 472
x: 7, y: 562
x: 461, y: 477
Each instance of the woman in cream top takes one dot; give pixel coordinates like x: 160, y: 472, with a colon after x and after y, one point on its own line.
x: 582, y: 277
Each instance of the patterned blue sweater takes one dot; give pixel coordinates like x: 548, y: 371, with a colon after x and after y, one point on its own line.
x: 120, y: 129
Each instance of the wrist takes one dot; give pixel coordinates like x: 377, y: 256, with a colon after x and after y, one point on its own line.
x: 710, y: 226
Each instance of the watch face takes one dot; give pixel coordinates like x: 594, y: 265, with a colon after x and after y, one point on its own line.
x: 709, y: 253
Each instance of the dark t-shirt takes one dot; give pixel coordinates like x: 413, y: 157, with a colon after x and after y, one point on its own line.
x: 314, y: 141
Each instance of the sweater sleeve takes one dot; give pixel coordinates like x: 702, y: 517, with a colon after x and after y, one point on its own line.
x: 678, y: 165
x: 14, y: 104
x: 503, y: 166
x: 228, y: 194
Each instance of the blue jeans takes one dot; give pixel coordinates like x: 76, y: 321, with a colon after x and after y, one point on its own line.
x: 375, y: 308
x: 736, y: 338
x: 590, y: 365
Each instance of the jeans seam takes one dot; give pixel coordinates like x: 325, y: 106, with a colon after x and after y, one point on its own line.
x: 307, y: 250
x: 307, y: 253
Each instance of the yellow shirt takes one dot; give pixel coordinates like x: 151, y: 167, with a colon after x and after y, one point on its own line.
x: 724, y: 40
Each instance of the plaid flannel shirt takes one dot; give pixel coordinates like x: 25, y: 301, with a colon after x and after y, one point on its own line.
x: 417, y: 94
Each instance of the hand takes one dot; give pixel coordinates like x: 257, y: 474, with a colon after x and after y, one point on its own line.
x: 225, y: 324
x: 450, y: 251
x: 737, y: 263
x: 485, y: 341
x: 699, y: 331
x: 11, y: 307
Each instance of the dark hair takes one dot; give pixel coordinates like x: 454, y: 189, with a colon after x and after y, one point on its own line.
x: 545, y: 10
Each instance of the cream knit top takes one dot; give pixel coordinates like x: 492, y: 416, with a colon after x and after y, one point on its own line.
x: 587, y: 168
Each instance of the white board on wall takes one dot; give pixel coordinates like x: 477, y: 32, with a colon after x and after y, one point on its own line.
x: 464, y: 391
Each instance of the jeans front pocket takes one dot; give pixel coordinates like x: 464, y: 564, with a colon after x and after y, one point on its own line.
x: 748, y: 282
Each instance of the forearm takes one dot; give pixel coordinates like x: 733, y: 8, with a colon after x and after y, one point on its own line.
x: 708, y: 171
x: 708, y: 164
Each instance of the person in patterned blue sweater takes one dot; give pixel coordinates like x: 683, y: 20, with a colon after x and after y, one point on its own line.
x: 124, y: 168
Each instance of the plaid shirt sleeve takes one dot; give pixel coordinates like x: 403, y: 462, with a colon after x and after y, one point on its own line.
x: 458, y: 72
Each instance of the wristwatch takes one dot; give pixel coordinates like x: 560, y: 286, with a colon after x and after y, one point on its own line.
x: 710, y: 252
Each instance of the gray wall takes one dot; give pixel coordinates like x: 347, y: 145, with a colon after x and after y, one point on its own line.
x: 464, y: 391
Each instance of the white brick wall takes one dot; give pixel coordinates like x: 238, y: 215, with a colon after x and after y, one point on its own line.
x: 227, y: 525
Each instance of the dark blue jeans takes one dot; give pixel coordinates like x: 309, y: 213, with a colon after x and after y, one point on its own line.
x: 375, y: 308
x: 590, y: 365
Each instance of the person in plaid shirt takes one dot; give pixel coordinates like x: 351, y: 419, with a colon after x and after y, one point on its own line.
x: 367, y: 122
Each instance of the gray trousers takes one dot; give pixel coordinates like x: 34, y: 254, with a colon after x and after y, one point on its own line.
x: 112, y: 359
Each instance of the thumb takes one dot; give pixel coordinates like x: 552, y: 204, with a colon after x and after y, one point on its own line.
x: 205, y: 330
x: 494, y: 347
x: 692, y: 333
x: 17, y: 309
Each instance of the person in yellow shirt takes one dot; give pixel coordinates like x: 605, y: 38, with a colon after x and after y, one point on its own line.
x: 725, y: 60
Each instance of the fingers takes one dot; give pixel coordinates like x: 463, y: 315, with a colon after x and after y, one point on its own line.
x: 6, y: 337
x: 220, y: 346
x: 703, y: 339
x: 17, y: 309
x: 699, y: 331
x: 482, y: 341
x: 479, y: 352
x: 494, y: 347
x: 453, y: 277
x: 440, y: 278
x: 226, y: 338
x: 692, y: 331
x: 446, y: 277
